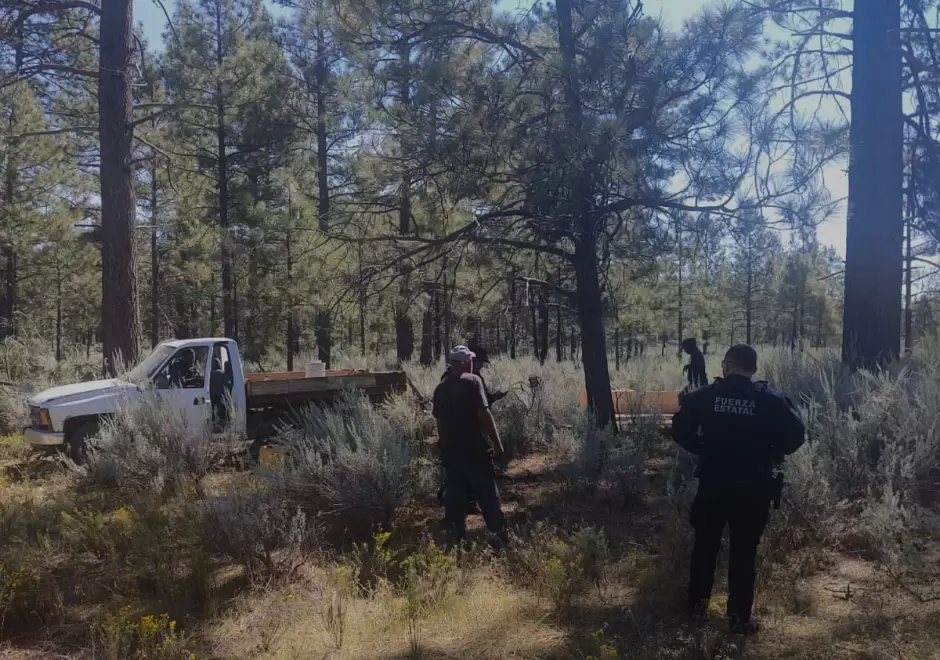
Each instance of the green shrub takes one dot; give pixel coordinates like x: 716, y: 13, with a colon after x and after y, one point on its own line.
x: 149, y: 445
x: 259, y: 528
x: 590, y: 457
x: 17, y: 586
x: 150, y: 637
x: 562, y: 567
x: 350, y: 459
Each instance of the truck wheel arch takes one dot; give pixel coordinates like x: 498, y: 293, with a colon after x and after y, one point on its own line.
x: 77, y: 430
x: 73, y: 424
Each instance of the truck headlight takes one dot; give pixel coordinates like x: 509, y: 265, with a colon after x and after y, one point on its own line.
x: 44, y: 419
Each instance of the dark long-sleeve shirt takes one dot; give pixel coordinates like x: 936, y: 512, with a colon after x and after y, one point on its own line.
x: 737, y: 428
x: 491, y: 397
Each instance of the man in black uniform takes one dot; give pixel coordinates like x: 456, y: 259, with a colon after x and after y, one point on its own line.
x: 737, y: 427
x: 468, y: 442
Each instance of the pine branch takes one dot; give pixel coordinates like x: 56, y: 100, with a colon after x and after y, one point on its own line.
x: 79, y: 130
x: 164, y: 109
x: 47, y: 8
x: 38, y: 69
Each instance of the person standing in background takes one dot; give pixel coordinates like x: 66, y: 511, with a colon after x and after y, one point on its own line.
x: 468, y: 441
x: 695, y: 369
x: 491, y: 398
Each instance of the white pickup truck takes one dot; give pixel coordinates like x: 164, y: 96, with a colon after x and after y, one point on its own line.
x: 196, y: 377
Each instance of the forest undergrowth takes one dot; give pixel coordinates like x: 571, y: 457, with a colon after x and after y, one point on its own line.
x: 164, y: 546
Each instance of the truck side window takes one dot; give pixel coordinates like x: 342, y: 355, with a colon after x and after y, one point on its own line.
x: 186, y: 369
x: 218, y: 389
x: 221, y: 354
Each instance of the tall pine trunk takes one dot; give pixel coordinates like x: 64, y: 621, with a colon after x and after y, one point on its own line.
x: 154, y: 238
x: 9, y: 205
x: 120, y: 317
x: 559, y: 335
x: 874, y: 225
x: 438, y: 323
x: 362, y: 304
x: 154, y: 259
x: 617, y: 349
x: 590, y: 303
x: 533, y: 320
x: 290, y: 292
x: 749, y: 301
x: 58, y: 306
x: 229, y: 322
x: 9, y: 306
x: 426, y: 356
x: 512, y: 317
x: 543, y: 324
x: 680, y: 319
x: 324, y: 337
x: 593, y: 341
x: 323, y: 176
x: 448, y: 314
x: 404, y: 328
x: 908, y: 271
x: 8, y: 327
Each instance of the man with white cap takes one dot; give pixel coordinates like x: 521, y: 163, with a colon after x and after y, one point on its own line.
x: 468, y: 441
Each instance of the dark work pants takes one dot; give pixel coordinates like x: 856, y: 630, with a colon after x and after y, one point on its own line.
x: 442, y: 491
x: 746, y: 516
x: 480, y: 477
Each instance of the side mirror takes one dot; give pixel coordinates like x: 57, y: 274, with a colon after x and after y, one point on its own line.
x: 162, y: 382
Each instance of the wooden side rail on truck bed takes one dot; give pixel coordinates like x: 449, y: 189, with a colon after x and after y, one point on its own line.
x: 298, y: 375
x: 264, y: 390
x: 632, y: 405
x: 631, y: 402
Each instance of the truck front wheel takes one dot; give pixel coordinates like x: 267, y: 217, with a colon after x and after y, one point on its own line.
x: 76, y: 443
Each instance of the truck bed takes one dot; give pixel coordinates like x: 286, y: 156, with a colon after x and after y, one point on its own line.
x: 294, y: 388
x: 298, y: 375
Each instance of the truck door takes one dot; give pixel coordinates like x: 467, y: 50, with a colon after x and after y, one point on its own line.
x: 183, y: 384
x: 227, y: 389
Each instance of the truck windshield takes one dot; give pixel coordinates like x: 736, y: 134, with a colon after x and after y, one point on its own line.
x: 148, y: 366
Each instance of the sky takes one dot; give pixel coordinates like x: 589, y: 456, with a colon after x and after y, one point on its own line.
x: 673, y: 12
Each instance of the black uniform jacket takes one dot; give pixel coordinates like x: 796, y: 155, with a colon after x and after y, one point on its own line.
x: 738, y: 428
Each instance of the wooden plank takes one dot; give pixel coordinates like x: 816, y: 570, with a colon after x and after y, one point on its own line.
x: 628, y: 401
x: 298, y: 392
x: 298, y: 375
x: 393, y: 381
x: 300, y: 399
x: 298, y: 385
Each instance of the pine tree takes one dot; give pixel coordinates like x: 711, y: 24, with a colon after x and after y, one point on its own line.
x: 223, y: 71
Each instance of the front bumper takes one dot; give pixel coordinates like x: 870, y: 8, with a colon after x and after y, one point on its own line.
x: 38, y: 438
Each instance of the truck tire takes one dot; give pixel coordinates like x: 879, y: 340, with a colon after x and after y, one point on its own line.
x: 76, y: 444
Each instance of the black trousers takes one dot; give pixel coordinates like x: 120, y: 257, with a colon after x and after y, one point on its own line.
x: 471, y: 498
x: 746, y: 516
x: 480, y: 477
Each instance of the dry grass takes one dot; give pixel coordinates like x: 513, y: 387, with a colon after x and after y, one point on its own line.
x: 490, y: 620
